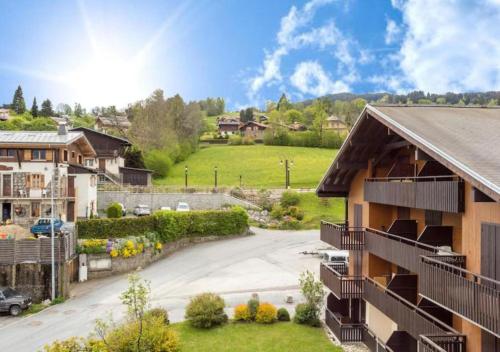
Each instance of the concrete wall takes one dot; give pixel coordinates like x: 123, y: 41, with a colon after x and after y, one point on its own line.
x: 86, y: 195
x: 197, y: 201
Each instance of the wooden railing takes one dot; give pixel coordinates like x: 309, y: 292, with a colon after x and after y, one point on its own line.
x: 341, y: 286
x: 403, y: 251
x: 475, y: 297
x: 442, y: 343
x: 373, y: 343
x: 442, y: 193
x: 342, y: 237
x: 345, y: 332
x: 408, y: 316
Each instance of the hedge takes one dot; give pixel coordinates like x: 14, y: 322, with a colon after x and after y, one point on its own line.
x: 169, y: 225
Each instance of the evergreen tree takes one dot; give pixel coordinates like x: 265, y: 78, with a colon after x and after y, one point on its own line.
x: 283, y: 103
x: 18, y: 103
x: 47, y: 110
x: 78, y: 110
x: 34, y: 108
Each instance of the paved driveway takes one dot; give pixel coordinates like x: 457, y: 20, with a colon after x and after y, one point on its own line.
x: 268, y: 263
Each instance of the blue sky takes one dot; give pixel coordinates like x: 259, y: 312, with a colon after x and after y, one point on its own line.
x: 117, y: 52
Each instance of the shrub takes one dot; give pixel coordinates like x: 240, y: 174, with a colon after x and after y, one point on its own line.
x: 283, y: 315
x: 306, y: 314
x: 235, y: 140
x: 253, y: 307
x: 160, y: 313
x: 247, y: 140
x: 238, y: 193
x: 92, y: 246
x: 295, y: 212
x: 266, y: 314
x: 241, y: 312
x: 158, y: 161
x: 205, y: 311
x: 277, y: 211
x: 115, y: 228
x: 290, y: 223
x: 114, y: 211
x: 289, y: 198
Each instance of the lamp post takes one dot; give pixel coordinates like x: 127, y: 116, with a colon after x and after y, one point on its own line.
x: 185, y: 177
x: 215, y: 178
x: 241, y: 183
x: 52, y: 254
x: 288, y: 164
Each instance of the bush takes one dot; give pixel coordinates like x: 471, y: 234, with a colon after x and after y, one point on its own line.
x: 169, y: 225
x: 205, y: 311
x: 160, y: 313
x: 266, y: 314
x: 235, y: 140
x: 277, y: 212
x: 241, y: 313
x: 114, y: 211
x: 238, y: 193
x: 253, y: 307
x: 290, y: 223
x: 295, y: 212
x: 306, y: 314
x: 247, y: 140
x: 283, y: 315
x: 329, y: 139
x: 289, y: 198
x: 158, y: 161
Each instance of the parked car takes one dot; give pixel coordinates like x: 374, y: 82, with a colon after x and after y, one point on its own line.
x: 124, y: 209
x: 336, y: 256
x: 165, y: 208
x: 12, y: 301
x: 142, y: 210
x: 182, y: 206
x: 43, y: 226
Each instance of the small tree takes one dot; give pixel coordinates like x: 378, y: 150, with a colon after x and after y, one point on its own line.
x: 34, y: 108
x: 313, y: 292
x: 18, y: 103
x: 114, y: 211
x: 47, y: 110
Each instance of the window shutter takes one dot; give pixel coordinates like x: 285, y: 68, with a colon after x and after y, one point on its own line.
x: 49, y: 154
x: 28, y: 181
x: 27, y: 154
x: 42, y: 181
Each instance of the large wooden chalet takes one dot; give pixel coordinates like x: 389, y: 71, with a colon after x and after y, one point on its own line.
x: 422, y: 190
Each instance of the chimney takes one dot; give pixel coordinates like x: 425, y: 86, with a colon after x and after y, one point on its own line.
x: 62, y: 129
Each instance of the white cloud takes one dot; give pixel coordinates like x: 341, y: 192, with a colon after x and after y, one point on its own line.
x: 450, y: 45
x: 309, y: 77
x: 392, y: 31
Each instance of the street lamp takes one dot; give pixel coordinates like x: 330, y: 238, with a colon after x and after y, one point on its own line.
x: 185, y: 177
x: 215, y: 175
x: 288, y: 164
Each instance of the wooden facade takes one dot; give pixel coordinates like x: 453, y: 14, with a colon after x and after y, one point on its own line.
x: 423, y: 233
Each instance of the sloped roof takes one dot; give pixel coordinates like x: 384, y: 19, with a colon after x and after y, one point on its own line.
x: 121, y: 121
x: 38, y: 137
x: 464, y: 139
x: 334, y: 118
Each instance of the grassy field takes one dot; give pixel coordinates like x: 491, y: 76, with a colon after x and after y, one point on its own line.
x: 317, y: 209
x: 241, y: 337
x: 259, y: 166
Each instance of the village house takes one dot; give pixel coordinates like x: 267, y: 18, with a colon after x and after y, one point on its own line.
x: 112, y: 124
x: 336, y: 124
x: 422, y: 194
x: 4, y: 114
x: 33, y: 164
x: 253, y: 129
x: 109, y: 161
x: 228, y: 125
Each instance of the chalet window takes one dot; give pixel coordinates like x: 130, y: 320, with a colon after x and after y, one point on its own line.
x: 35, y: 209
x: 80, y: 159
x: 36, y: 181
x: 38, y: 154
x: 65, y: 155
x: 433, y: 217
x: 89, y: 162
x: 72, y: 155
x: 7, y: 152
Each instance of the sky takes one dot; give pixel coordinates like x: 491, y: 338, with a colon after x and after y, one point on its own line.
x: 117, y: 52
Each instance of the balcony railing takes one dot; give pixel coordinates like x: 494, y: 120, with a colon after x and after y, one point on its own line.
x: 408, y: 316
x: 373, y: 343
x: 342, y: 286
x: 344, y: 331
x: 442, y: 193
x: 475, y: 297
x: 442, y: 343
x: 403, y: 251
x: 342, y: 237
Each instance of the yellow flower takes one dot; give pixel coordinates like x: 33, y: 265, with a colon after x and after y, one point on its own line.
x: 113, y: 253
x: 140, y: 247
x: 158, y: 246
x: 126, y: 253
x: 129, y: 244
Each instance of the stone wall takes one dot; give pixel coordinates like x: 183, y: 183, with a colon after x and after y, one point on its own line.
x: 197, y: 201
x: 102, y: 265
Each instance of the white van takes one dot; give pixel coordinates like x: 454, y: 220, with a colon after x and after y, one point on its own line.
x: 335, y: 256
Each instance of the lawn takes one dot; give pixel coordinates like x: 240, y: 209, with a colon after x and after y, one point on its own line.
x: 317, y: 209
x: 259, y: 166
x: 241, y: 337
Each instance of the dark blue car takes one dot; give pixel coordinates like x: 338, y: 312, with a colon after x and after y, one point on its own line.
x: 43, y: 226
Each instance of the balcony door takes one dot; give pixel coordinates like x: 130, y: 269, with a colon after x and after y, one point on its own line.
x: 490, y: 267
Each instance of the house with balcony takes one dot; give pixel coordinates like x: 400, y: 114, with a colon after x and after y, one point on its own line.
x: 116, y: 124
x: 422, y: 194
x: 38, y: 166
x: 109, y: 161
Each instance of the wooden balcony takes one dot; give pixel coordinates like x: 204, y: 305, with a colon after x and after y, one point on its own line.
x: 343, y: 330
x: 472, y: 296
x: 408, y: 316
x: 342, y: 286
x: 373, y: 343
x: 342, y: 237
x: 403, y: 251
x: 442, y: 343
x: 442, y: 193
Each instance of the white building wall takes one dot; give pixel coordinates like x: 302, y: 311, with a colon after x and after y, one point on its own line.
x: 379, y: 323
x: 86, y: 195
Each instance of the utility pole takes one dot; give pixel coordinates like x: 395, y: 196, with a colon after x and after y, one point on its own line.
x: 215, y: 180
x: 185, y: 177
x: 52, y: 235
x: 288, y: 164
